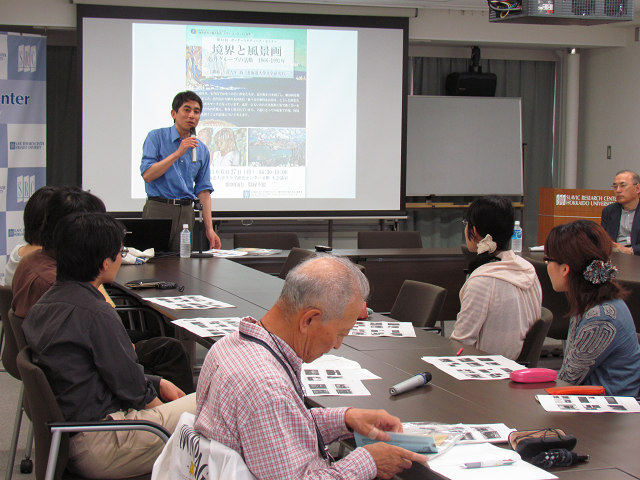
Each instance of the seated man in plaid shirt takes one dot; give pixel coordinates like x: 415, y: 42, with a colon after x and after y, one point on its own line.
x: 250, y: 396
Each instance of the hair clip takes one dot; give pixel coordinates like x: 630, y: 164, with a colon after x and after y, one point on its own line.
x: 599, y: 272
x: 487, y: 245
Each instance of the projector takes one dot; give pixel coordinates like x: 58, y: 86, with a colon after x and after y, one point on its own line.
x: 561, y: 12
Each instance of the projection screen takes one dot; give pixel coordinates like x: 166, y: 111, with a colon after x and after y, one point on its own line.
x: 303, y: 115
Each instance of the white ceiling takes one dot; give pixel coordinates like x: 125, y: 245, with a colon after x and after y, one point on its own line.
x: 450, y: 4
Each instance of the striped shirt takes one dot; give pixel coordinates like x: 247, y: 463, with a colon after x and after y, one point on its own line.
x: 246, y: 401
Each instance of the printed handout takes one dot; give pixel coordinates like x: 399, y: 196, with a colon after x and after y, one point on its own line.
x: 209, y: 327
x: 188, y: 302
x: 475, y: 367
x: 364, y: 328
x: 588, y: 404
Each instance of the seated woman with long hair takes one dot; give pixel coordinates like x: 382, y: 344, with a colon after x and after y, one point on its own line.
x: 602, y: 345
x: 502, y: 297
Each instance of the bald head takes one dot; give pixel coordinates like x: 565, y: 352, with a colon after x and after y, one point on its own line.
x: 324, y: 282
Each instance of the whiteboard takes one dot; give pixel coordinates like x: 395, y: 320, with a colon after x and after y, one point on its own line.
x: 464, y: 146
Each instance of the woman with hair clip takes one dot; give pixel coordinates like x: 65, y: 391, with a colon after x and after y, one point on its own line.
x: 502, y: 297
x: 602, y: 345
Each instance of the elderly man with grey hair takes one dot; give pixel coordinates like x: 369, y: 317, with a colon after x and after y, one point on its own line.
x: 620, y: 219
x: 250, y: 396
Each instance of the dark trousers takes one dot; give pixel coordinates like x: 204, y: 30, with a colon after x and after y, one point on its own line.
x: 178, y: 214
x: 167, y: 358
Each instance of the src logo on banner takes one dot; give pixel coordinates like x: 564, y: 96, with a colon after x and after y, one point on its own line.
x: 27, y: 58
x: 26, y: 185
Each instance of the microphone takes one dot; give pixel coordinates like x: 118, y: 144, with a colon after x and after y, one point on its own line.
x: 416, y: 381
x: 194, y: 155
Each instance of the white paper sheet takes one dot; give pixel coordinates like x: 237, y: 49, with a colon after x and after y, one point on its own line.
x: 475, y: 367
x: 449, y: 464
x: 588, y: 403
x: 216, y: 252
x: 334, y: 375
x: 209, y: 327
x: 188, y: 302
x: 375, y: 328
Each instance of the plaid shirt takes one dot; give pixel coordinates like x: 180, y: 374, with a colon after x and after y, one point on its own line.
x: 246, y: 401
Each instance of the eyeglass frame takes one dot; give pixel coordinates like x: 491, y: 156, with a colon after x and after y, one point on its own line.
x: 622, y: 186
x: 548, y: 260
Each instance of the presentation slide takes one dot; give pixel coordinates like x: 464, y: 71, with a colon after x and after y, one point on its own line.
x: 298, y: 119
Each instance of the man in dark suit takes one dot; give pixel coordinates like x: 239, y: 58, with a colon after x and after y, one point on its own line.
x: 620, y: 219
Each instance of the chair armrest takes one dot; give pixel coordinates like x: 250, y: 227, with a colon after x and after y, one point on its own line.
x: 111, y: 425
x: 58, y: 428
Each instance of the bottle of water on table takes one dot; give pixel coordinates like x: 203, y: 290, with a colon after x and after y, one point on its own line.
x: 516, y: 239
x: 185, y: 242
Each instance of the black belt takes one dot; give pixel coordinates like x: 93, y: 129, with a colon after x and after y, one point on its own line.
x: 171, y: 201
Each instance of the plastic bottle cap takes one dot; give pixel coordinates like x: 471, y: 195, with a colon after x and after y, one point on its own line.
x: 517, y: 222
x: 184, y: 225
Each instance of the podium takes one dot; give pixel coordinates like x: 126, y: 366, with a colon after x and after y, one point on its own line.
x: 563, y: 205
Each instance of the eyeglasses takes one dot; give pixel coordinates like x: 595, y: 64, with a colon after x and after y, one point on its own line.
x: 124, y: 251
x: 621, y: 186
x: 548, y: 260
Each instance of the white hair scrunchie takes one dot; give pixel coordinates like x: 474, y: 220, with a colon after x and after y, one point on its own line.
x: 487, y: 245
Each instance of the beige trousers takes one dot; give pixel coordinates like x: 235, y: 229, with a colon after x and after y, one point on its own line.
x: 129, y: 453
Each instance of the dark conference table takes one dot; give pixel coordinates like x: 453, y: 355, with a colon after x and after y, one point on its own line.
x: 387, y: 268
x: 609, y: 438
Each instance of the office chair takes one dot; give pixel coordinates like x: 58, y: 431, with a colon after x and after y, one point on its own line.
x: 9, y: 354
x: 277, y: 240
x: 136, y: 316
x: 295, y: 257
x: 5, y: 303
x: 554, y: 301
x: 533, y: 341
x: 389, y: 239
x: 419, y: 303
x: 52, y: 443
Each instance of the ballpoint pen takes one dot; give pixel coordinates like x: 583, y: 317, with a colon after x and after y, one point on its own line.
x: 487, y: 463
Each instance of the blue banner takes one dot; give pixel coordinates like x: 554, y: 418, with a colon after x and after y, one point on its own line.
x: 23, y: 132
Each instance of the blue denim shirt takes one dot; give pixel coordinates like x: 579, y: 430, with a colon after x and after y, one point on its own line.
x: 602, y: 349
x: 184, y: 179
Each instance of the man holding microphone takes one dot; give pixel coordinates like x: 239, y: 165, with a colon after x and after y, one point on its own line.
x: 175, y: 168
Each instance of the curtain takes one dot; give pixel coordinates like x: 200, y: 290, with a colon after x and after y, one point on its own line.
x: 63, y: 110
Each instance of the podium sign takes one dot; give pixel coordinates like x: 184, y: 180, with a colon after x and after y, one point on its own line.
x: 563, y: 205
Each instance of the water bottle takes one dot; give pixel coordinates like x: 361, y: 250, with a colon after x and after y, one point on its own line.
x: 516, y: 239
x: 185, y: 242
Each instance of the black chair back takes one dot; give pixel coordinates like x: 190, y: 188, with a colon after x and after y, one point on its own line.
x: 390, y: 239
x: 296, y: 256
x: 43, y: 409
x: 419, y: 303
x: 533, y: 341
x: 277, y: 240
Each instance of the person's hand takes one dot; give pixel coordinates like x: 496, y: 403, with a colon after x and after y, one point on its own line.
x: 186, y: 144
x: 622, y: 249
x: 372, y: 423
x: 391, y: 459
x: 214, y: 239
x: 169, y: 392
